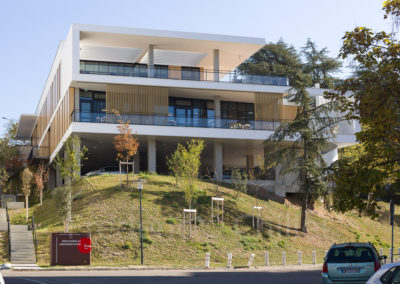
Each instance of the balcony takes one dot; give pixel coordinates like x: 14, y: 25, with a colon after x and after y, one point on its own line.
x: 176, y: 73
x: 180, y: 121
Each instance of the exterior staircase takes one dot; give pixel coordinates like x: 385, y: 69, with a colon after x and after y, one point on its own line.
x: 22, y: 247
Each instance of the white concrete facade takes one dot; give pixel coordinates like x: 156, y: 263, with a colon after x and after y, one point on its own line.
x: 218, y: 53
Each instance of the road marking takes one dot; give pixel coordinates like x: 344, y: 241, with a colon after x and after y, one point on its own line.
x: 34, y: 281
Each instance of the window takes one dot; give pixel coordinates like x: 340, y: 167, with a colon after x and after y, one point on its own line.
x: 161, y: 71
x: 237, y: 111
x: 351, y: 254
x: 190, y: 73
x: 385, y: 277
x: 91, y: 102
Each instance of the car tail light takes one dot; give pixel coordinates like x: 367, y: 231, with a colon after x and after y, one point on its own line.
x: 377, y: 265
x: 325, y: 267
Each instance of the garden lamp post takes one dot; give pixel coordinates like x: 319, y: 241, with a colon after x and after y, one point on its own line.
x: 140, y: 187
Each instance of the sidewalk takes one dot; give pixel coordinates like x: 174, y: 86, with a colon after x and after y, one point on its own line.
x: 277, y: 268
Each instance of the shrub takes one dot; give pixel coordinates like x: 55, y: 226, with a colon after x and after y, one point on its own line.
x: 127, y: 245
x: 281, y: 243
x: 251, y: 243
x: 171, y: 221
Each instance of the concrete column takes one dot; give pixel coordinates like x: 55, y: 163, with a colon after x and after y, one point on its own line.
x: 151, y: 61
x: 217, y: 111
x: 218, y: 160
x: 151, y: 154
x: 216, y: 64
x: 136, y: 160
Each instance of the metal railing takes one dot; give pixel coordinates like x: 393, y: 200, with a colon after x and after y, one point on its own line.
x: 166, y: 72
x: 180, y: 121
x: 34, y: 234
x: 9, y: 233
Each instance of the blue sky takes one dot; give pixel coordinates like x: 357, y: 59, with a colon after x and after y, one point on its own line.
x: 30, y: 31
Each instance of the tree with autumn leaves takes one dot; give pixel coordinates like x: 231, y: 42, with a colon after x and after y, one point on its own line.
x: 125, y: 143
x: 41, y: 177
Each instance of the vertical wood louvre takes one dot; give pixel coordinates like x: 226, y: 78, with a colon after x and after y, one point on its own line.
x: 269, y: 107
x: 137, y: 100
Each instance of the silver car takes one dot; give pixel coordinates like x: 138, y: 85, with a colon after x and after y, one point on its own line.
x: 350, y: 263
x: 388, y: 274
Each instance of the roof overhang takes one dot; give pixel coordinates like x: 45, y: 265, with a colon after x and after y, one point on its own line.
x: 194, y: 47
x: 26, y: 125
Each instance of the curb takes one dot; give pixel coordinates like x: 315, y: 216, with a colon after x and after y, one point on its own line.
x: 287, y: 268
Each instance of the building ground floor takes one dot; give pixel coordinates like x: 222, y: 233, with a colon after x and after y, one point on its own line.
x: 218, y: 159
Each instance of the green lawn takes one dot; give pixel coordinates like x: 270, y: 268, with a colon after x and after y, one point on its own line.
x: 111, y: 215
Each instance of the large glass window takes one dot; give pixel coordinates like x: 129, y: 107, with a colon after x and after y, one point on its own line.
x: 92, y: 104
x: 190, y: 73
x: 237, y: 110
x: 190, y: 112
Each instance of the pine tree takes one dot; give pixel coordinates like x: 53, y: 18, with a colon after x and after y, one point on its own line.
x: 308, y: 134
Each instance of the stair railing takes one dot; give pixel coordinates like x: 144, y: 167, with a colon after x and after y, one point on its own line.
x: 34, y: 234
x: 9, y: 232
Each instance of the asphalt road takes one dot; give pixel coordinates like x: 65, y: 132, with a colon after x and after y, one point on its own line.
x: 164, y: 276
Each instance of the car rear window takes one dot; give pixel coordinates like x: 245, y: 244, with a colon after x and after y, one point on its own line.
x: 351, y: 254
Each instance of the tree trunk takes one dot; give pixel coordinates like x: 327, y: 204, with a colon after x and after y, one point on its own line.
x: 69, y: 207
x: 127, y: 173
x: 41, y: 197
x: 27, y: 206
x: 303, y: 226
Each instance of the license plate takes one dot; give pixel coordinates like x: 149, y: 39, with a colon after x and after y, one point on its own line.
x: 350, y: 270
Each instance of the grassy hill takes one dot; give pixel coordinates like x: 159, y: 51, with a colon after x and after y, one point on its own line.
x: 111, y: 215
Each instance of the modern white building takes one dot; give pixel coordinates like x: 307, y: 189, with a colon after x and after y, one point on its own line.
x: 172, y: 86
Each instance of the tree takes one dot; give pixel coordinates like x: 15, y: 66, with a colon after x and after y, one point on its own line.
x: 274, y: 59
x: 174, y: 163
x: 190, y: 167
x: 41, y: 176
x: 308, y: 135
x: 125, y: 144
x: 371, y: 95
x: 280, y: 59
x: 27, y: 177
x: 319, y: 66
x: 239, y: 181
x: 69, y: 167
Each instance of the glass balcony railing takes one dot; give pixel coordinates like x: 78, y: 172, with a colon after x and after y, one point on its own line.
x: 177, y: 73
x: 181, y: 121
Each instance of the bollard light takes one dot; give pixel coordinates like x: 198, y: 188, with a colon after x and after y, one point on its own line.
x: 140, y: 184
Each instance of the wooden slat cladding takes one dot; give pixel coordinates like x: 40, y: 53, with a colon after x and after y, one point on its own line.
x: 43, y: 151
x: 49, y: 105
x: 289, y: 112
x: 137, y: 99
x: 269, y: 107
x: 62, y: 119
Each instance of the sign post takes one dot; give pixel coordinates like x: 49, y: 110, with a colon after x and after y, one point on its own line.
x: 392, y: 224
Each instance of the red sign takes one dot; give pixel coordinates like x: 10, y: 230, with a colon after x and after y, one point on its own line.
x: 85, y: 245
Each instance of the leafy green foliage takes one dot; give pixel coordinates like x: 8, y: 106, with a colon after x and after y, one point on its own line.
x: 27, y: 177
x: 69, y: 167
x: 171, y: 221
x: 371, y: 95
x: 239, y: 181
x: 185, y: 164
x: 309, y: 133
x: 280, y: 59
